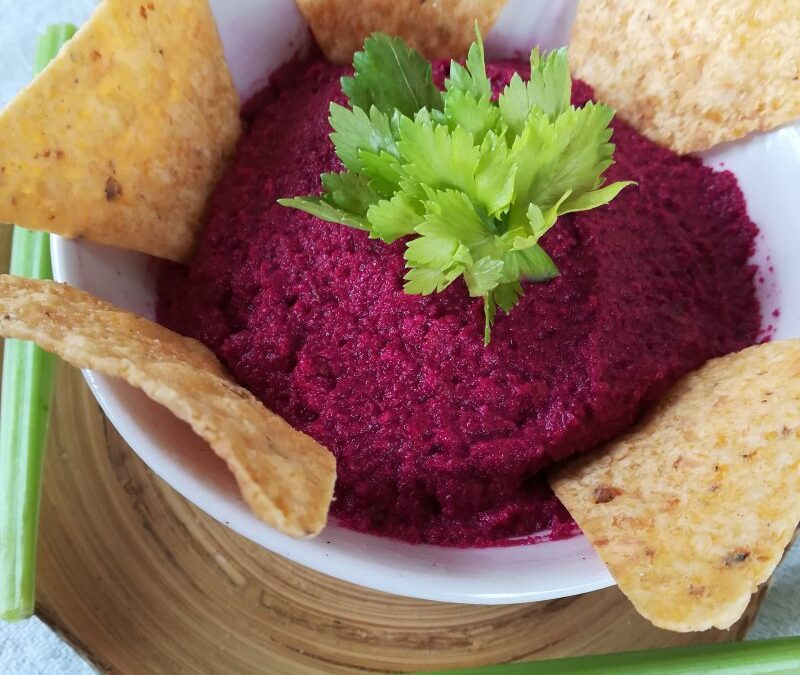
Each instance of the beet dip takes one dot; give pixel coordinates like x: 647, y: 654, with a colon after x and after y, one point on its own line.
x: 438, y: 438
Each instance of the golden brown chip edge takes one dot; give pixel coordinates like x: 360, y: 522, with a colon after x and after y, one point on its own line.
x: 440, y: 29
x: 628, y: 524
x: 679, y: 70
x: 98, y: 186
x: 259, y: 448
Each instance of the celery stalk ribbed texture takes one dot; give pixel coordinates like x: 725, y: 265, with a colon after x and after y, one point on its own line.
x: 27, y: 387
x: 759, y: 657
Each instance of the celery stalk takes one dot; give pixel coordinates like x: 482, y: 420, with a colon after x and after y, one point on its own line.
x: 739, y: 658
x: 27, y: 386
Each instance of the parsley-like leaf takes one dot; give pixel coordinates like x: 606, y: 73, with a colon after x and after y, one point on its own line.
x: 323, y: 210
x: 530, y: 264
x: 478, y: 116
x: 494, y: 177
x: 355, y: 131
x: 591, y: 200
x: 452, y: 213
x: 346, y: 200
x: 552, y: 157
x: 384, y: 171
x: 391, y: 76
x: 580, y: 164
x: 472, y: 184
x: 394, y: 218
x: 548, y: 90
x: 483, y: 276
x: 550, y: 84
x: 472, y: 78
x: 349, y: 192
x: 507, y: 295
x: 437, y: 157
x: 514, y: 104
x: 427, y: 280
x: 468, y: 95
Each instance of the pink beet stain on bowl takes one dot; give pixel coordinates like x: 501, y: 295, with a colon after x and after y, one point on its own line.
x: 439, y: 439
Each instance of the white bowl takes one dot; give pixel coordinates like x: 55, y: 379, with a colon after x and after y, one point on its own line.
x: 259, y: 35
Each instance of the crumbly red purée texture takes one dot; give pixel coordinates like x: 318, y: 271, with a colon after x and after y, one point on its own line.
x: 439, y: 439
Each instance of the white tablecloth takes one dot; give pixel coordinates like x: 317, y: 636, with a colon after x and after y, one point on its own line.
x: 30, y: 648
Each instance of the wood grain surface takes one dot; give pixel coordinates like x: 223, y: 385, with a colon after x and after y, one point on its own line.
x: 140, y: 581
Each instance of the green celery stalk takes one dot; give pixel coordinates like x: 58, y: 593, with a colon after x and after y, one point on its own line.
x: 739, y: 658
x: 27, y: 386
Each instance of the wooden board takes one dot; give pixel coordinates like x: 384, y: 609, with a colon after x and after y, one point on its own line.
x: 142, y: 582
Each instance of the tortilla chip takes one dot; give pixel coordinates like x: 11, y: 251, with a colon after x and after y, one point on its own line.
x: 692, y: 74
x: 693, y: 509
x: 122, y: 137
x: 285, y: 476
x: 441, y: 29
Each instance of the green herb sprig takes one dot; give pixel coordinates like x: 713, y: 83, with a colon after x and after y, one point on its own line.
x: 472, y: 182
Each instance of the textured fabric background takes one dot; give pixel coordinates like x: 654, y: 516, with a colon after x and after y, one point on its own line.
x: 30, y: 648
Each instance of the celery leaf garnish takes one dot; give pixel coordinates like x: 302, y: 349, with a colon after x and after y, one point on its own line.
x: 472, y: 183
x: 390, y: 75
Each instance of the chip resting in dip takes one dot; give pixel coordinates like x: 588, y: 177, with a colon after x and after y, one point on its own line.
x: 459, y: 288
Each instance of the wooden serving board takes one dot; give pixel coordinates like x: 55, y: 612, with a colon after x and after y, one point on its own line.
x: 140, y: 581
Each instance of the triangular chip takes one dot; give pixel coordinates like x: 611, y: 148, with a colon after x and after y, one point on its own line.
x: 693, y: 509
x: 692, y: 74
x: 441, y: 29
x: 285, y: 476
x: 122, y: 137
